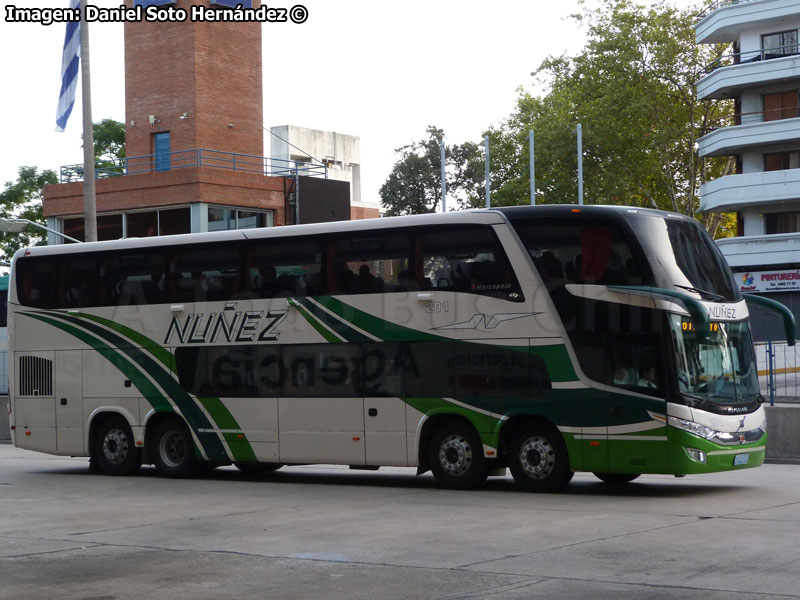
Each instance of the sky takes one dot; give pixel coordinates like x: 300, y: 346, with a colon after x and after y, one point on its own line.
x: 377, y: 70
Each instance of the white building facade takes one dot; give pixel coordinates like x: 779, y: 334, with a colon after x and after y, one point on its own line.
x: 340, y: 152
x: 761, y: 73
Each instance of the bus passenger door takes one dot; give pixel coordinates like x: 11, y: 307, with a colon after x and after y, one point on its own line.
x: 69, y: 403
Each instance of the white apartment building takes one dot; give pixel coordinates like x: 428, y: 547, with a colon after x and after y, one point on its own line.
x: 761, y: 73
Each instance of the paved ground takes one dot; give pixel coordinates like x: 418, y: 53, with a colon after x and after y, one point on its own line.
x: 325, y: 532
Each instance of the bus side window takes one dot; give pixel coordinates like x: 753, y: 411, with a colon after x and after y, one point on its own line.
x: 468, y: 259
x: 36, y: 282
x: 279, y: 268
x: 79, y: 281
x: 369, y: 265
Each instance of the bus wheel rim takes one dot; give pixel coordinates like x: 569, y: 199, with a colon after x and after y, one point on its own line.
x: 172, y: 448
x: 455, y: 455
x: 537, y: 457
x: 115, y: 446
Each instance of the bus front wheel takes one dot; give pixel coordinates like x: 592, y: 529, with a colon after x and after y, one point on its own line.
x: 172, y: 449
x: 538, y: 459
x: 455, y: 455
x: 115, y: 451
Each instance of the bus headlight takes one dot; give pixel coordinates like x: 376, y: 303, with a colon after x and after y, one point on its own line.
x: 694, y: 428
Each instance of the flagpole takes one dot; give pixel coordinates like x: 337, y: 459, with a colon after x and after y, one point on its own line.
x: 89, y: 197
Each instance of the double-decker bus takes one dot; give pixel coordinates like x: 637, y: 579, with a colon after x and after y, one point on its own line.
x: 545, y: 340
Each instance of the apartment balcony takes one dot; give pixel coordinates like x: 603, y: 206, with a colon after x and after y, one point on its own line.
x: 734, y: 192
x: 752, y: 133
x: 729, y: 17
x: 745, y: 252
x: 755, y: 69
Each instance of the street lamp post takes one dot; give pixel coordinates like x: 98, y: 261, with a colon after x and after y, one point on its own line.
x: 16, y: 225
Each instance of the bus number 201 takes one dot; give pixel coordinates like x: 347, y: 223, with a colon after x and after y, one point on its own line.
x: 437, y: 307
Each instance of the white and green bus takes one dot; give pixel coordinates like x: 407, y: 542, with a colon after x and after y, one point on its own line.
x: 546, y: 340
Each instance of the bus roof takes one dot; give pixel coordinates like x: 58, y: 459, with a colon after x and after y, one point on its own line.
x: 477, y: 216
x: 474, y: 216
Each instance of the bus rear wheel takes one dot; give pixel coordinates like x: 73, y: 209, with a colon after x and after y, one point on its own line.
x: 538, y: 459
x: 455, y: 456
x: 115, y: 451
x: 616, y: 478
x: 172, y: 449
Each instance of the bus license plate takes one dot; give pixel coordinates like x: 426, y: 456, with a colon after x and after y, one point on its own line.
x: 740, y: 459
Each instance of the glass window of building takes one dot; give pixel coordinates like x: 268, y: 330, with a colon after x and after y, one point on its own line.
x: 222, y: 218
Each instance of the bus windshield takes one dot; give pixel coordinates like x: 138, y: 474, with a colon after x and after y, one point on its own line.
x: 691, y: 261
x: 721, y: 368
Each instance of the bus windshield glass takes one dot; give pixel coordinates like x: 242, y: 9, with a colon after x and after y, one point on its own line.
x: 721, y: 368
x: 683, y: 256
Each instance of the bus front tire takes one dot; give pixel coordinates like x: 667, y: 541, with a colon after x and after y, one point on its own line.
x: 455, y: 456
x: 173, y: 449
x: 115, y: 451
x: 538, y: 459
x: 616, y: 478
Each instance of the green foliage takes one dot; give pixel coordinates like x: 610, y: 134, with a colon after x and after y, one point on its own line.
x: 23, y: 199
x: 414, y: 185
x: 109, y: 151
x: 633, y: 90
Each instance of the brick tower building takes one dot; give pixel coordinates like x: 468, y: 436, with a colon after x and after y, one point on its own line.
x: 194, y: 141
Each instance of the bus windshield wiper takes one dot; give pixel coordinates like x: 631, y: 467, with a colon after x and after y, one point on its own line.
x: 695, y: 290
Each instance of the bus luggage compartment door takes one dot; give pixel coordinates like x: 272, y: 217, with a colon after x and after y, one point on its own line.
x: 69, y: 403
x: 33, y: 402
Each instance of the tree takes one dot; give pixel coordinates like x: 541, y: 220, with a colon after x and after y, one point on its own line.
x: 109, y: 147
x: 633, y: 90
x: 23, y: 199
x: 414, y: 185
x: 109, y: 152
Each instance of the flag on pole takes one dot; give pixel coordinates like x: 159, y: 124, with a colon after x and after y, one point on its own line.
x: 69, y: 71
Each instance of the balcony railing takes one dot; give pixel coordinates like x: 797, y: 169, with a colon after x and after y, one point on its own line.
x: 231, y: 161
x: 740, y: 58
x: 772, y: 115
x: 718, y: 4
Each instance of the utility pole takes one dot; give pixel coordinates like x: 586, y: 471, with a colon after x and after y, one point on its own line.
x: 580, y: 164
x: 533, y: 170
x: 89, y: 197
x: 444, y: 178
x: 488, y: 187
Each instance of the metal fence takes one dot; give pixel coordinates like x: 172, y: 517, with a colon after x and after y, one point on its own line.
x: 200, y: 157
x: 778, y: 370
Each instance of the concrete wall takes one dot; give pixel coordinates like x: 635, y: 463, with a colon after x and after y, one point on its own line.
x: 5, y: 432
x: 783, y: 432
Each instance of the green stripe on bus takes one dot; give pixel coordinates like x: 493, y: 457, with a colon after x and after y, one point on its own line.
x: 141, y: 341
x: 237, y: 440
x: 339, y: 326
x: 149, y: 391
x: 190, y: 410
x: 385, y: 330
x: 488, y: 427
x: 218, y: 412
x: 556, y: 358
x: 321, y: 329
